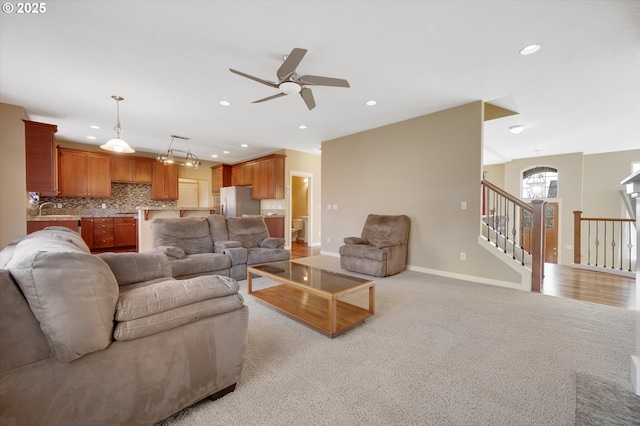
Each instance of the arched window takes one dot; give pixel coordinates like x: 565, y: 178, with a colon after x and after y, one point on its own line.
x: 540, y: 182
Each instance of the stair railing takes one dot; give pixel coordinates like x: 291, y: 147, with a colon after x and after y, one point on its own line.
x: 515, y: 227
x: 608, y: 245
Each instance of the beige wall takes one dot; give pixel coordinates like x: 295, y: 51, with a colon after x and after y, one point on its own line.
x: 308, y: 165
x: 602, y: 176
x: 13, y: 183
x: 494, y: 173
x: 424, y: 168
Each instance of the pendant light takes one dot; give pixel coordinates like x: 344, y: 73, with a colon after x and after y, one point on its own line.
x: 179, y: 156
x: 117, y: 144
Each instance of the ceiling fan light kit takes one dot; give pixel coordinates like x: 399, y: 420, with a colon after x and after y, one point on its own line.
x: 117, y: 144
x: 289, y: 82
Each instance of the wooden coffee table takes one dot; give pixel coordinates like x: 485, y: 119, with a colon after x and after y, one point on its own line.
x: 313, y: 296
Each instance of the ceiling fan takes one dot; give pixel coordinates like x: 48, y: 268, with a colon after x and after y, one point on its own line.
x: 289, y: 82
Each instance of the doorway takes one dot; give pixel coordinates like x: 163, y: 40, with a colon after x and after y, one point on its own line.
x: 550, y: 232
x: 300, y: 202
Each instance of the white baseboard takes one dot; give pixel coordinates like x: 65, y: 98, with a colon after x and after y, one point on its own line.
x: 635, y: 374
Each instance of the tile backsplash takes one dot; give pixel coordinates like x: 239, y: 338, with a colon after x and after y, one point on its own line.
x: 125, y: 197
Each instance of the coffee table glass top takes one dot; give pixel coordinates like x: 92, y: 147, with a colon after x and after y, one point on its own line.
x: 331, y: 282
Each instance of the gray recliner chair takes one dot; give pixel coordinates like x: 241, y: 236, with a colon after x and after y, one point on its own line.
x: 381, y: 250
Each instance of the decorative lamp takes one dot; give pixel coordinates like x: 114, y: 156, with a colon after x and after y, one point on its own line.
x: 178, y: 156
x: 117, y: 144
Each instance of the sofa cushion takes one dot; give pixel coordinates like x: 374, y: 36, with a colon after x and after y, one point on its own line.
x: 71, y: 293
x: 250, y: 231
x: 263, y: 255
x: 129, y: 268
x: 191, y: 234
x: 198, y: 264
x: 166, y: 295
x: 272, y: 242
x: 218, y: 227
x: 146, y: 326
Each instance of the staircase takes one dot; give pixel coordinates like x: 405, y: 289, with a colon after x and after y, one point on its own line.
x: 516, y: 230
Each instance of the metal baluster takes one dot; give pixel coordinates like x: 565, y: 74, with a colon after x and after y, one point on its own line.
x: 630, y: 247
x: 621, y: 239
x: 522, y: 234
x: 604, y: 246
x: 506, y: 223
x: 513, y: 232
x: 597, y: 243
x: 613, y: 244
x: 589, y: 245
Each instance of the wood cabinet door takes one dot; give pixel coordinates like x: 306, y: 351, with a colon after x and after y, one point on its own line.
x: 37, y: 225
x: 40, y: 157
x: 165, y: 182
x: 72, y: 173
x: 98, y: 175
x: 121, y: 170
x: 124, y: 232
x: 142, y: 171
x: 86, y: 231
x: 275, y: 225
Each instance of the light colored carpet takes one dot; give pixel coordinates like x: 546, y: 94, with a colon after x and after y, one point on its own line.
x: 438, y: 351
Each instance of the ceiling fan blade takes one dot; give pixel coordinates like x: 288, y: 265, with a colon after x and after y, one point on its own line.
x: 268, y: 98
x: 259, y: 80
x: 317, y: 80
x: 307, y: 96
x: 290, y: 64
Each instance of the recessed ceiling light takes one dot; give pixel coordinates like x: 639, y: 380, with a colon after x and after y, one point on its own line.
x: 244, y: 145
x: 214, y: 156
x: 302, y: 127
x: 371, y: 103
x: 528, y: 50
x: 225, y: 103
x: 225, y: 152
x: 91, y: 137
x: 518, y: 128
x: 95, y: 127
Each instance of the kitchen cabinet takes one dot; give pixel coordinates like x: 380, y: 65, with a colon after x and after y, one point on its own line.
x: 242, y: 174
x: 36, y: 225
x: 164, y: 185
x: 83, y: 174
x: 275, y: 225
x: 220, y: 177
x: 39, y: 146
x: 125, y: 232
x: 131, y: 170
x: 268, y: 177
x: 110, y: 233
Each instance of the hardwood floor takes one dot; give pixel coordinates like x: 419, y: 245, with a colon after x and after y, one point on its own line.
x: 589, y: 286
x: 560, y: 280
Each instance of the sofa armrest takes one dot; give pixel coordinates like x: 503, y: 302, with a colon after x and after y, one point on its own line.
x: 220, y: 246
x: 272, y: 242
x: 386, y: 243
x: 130, y: 268
x: 355, y: 241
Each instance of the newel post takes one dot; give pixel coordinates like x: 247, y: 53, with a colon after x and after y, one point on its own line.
x: 577, y: 236
x: 537, y: 249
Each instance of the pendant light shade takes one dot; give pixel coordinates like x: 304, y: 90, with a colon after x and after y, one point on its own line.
x: 117, y: 144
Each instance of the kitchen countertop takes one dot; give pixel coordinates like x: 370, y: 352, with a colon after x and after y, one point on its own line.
x: 61, y: 217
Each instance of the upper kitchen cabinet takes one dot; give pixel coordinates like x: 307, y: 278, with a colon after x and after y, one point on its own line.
x: 131, y: 170
x: 40, y: 157
x: 83, y: 174
x: 268, y: 177
x: 242, y: 174
x: 164, y: 185
x: 220, y: 177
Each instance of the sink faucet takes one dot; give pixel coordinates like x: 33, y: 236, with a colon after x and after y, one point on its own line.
x: 44, y: 204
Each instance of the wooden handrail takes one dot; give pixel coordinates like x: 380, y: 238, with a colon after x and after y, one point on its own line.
x: 505, y: 194
x: 536, y: 208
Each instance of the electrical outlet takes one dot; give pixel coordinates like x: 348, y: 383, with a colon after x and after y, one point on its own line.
x: 104, y: 205
x: 463, y: 255
x: 59, y: 205
x: 463, y: 205
x: 328, y: 239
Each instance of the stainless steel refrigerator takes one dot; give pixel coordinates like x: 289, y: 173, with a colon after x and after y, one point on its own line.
x: 236, y: 201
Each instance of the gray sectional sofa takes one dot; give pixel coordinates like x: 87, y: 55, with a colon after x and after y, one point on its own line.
x: 110, y: 339
x: 216, y: 245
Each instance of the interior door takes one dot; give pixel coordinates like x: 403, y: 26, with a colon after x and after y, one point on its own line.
x: 188, y: 195
x: 550, y: 232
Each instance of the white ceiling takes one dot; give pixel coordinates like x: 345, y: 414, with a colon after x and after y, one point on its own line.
x: 170, y: 60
